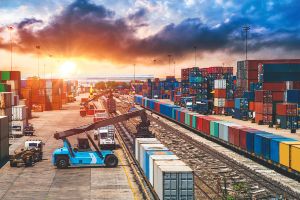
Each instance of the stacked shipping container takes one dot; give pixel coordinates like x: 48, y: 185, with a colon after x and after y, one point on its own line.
x: 287, y: 115
x: 263, y: 107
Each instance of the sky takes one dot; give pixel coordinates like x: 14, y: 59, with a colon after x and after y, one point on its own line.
x: 82, y: 38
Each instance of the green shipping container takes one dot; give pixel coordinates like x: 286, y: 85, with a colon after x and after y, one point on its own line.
x: 5, y: 75
x: 3, y: 87
x: 194, y: 125
x: 214, y: 128
x: 187, y: 119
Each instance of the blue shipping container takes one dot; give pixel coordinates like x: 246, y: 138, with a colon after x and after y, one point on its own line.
x: 147, y: 158
x: 274, y: 147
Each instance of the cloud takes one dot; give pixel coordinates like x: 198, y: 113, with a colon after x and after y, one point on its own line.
x: 84, y: 29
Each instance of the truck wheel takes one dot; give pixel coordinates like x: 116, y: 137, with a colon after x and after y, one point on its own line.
x: 13, y: 164
x: 62, y: 163
x: 111, y: 161
x: 28, y: 161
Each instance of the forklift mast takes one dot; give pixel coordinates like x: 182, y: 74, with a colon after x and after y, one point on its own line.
x: 142, y: 128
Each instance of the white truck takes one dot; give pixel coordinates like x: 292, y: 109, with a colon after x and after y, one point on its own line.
x: 106, y: 137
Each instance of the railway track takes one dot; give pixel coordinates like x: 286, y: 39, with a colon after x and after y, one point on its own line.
x: 216, y: 175
x: 126, y: 142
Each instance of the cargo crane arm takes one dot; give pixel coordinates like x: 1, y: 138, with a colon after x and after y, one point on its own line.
x: 142, y: 128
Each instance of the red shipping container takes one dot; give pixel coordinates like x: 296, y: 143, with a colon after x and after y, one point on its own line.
x: 280, y: 86
x: 277, y: 96
x: 251, y: 106
x: 200, y: 123
x: 258, y: 117
x: 182, y: 117
x: 259, y: 107
x: 15, y: 75
x: 243, y: 139
x: 206, y: 125
x: 233, y: 135
x: 252, y: 75
x: 220, y: 93
x: 229, y: 103
x: 287, y: 109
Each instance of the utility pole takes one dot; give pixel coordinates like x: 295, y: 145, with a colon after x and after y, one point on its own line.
x: 10, y: 28
x: 134, y: 74
x: 51, y: 63
x: 195, y: 49
x: 246, y: 29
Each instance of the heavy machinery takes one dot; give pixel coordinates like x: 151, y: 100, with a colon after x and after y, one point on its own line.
x: 33, y: 152
x: 106, y: 137
x: 29, y: 130
x: 83, y: 155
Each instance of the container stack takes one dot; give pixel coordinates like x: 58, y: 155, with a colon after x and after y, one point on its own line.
x: 4, y: 138
x: 263, y: 107
x: 287, y: 115
x: 250, y: 96
x: 219, y: 96
x: 185, y: 82
x: 6, y: 106
x: 19, y: 120
x: 197, y: 84
x: 38, y: 93
x: 54, y: 94
x: 241, y: 108
x: 156, y: 88
x: 13, y: 79
x: 247, y: 72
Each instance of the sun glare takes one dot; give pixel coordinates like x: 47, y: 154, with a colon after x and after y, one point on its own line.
x: 67, y: 68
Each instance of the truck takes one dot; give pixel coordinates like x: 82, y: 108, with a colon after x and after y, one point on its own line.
x: 82, y: 154
x: 32, y: 153
x: 106, y: 137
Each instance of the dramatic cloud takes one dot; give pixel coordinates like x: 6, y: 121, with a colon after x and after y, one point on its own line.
x: 84, y: 29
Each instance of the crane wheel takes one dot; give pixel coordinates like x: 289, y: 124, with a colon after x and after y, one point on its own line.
x: 62, y: 162
x: 111, y: 161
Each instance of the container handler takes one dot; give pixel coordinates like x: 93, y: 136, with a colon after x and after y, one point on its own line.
x: 83, y: 155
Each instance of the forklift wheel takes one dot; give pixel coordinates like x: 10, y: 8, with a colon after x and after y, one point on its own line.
x: 111, y: 161
x: 28, y: 161
x: 62, y: 163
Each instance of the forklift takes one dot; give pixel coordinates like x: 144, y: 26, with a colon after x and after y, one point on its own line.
x: 82, y: 154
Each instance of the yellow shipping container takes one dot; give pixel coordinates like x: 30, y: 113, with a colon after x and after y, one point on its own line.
x: 295, y: 157
x: 284, y: 152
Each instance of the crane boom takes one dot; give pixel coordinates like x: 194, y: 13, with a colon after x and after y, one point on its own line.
x: 142, y: 127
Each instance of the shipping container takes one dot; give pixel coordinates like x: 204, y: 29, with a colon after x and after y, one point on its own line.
x: 220, y: 84
x: 274, y: 147
x: 262, y: 144
x: 148, y: 153
x: 17, y: 127
x: 143, y: 148
x: 19, y: 113
x: 154, y: 158
x: 174, y: 182
x: 284, y: 152
x: 295, y: 157
x: 5, y: 99
x: 139, y: 141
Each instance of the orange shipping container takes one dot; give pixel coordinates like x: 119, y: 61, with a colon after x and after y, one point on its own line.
x: 220, y: 93
x: 251, y: 106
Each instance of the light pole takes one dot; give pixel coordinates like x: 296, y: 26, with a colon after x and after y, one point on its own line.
x: 50, y: 56
x: 38, y: 47
x: 134, y: 74
x: 10, y: 28
x: 246, y: 29
x: 195, y: 49
x: 169, y: 61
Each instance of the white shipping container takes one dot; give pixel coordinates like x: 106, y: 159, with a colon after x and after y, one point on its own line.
x: 19, y: 112
x: 154, y: 158
x: 5, y: 99
x: 219, y: 102
x: 139, y: 141
x: 148, y: 147
x: 17, y: 127
x: 174, y: 182
x: 223, y: 130
x: 6, y: 112
x: 220, y: 84
x: 158, y: 163
x: 3, y: 127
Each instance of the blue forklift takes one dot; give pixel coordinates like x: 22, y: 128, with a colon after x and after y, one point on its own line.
x: 83, y: 155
